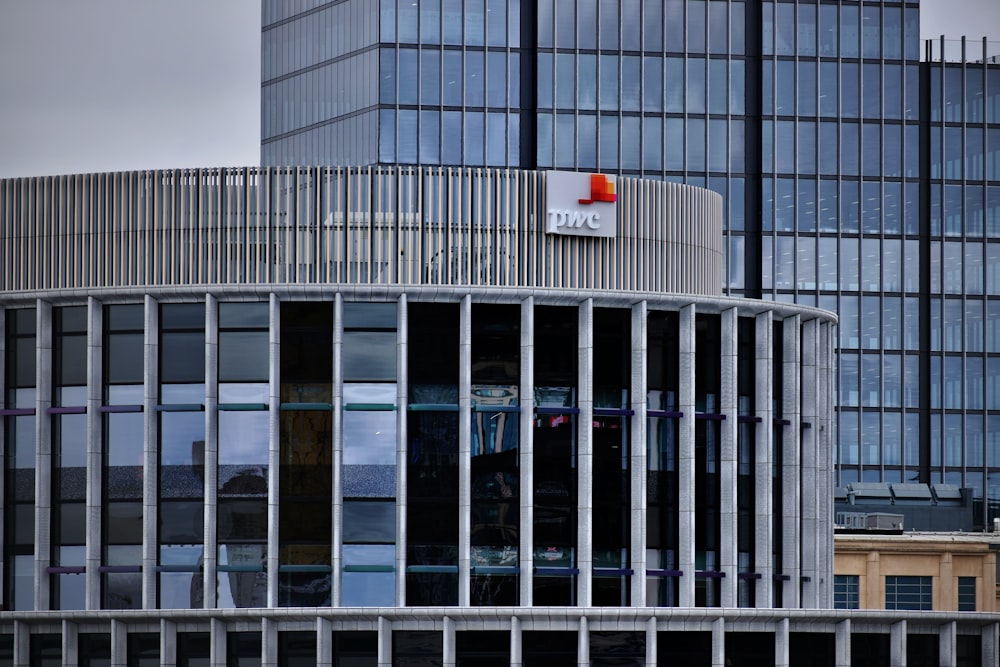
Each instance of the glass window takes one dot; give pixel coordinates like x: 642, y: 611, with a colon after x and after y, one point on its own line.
x: 829, y: 93
x: 846, y: 591
x: 696, y: 26
x: 368, y: 578
x: 908, y: 593
x: 967, y: 594
x: 784, y: 85
x: 871, y: 32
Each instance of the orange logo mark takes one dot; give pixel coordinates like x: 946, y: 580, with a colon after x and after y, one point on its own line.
x: 601, y: 189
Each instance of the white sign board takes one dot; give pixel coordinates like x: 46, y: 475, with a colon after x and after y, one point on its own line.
x: 580, y: 204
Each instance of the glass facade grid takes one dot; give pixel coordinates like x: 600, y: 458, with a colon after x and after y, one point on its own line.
x: 370, y: 557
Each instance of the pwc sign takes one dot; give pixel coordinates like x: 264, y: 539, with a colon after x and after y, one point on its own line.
x: 580, y: 204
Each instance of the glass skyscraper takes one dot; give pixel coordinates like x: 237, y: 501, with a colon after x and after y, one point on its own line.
x: 860, y: 173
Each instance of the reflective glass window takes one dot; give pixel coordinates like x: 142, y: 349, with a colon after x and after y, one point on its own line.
x: 871, y: 32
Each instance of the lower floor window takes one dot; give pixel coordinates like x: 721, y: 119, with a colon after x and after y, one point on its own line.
x: 911, y: 593
x: 845, y: 591
x: 966, y: 593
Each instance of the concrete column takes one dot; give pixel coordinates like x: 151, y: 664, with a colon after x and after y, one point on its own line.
x: 728, y: 558
x: 526, y: 424
x: 842, y: 644
x: 119, y: 643
x: 791, y: 490
x: 874, y: 586
x: 217, y: 641
x: 947, y: 646
x: 95, y: 380
x: 384, y: 642
x: 686, y: 455
x: 324, y: 642
x: 22, y: 643
x: 211, y: 467
x: 402, y: 399
x: 826, y: 439
x: 897, y: 644
x: 763, y: 441
x: 719, y: 642
x: 465, y: 451
x: 585, y: 455
x: 150, y: 451
x: 637, y: 464
x: 990, y: 644
x: 168, y: 643
x: 268, y: 642
x: 448, y: 642
x: 583, y: 642
x: 516, y: 653
x: 70, y: 644
x: 43, y: 452
x: 813, y: 492
x: 651, y: 643
x: 274, y: 450
x: 781, y: 657
x: 943, y: 596
x: 337, y: 438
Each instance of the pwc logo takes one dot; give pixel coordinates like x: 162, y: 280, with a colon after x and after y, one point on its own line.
x: 601, y: 189
x: 570, y: 212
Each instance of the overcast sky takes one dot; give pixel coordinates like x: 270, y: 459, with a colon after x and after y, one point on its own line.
x: 101, y: 85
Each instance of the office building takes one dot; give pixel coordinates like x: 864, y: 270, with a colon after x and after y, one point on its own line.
x: 430, y: 402
x: 856, y: 176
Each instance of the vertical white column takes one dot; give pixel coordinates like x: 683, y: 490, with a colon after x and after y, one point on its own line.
x: 274, y: 450
x: 168, y: 643
x: 781, y: 640
x: 22, y: 642
x: 583, y: 642
x: 384, y: 642
x: 217, y: 641
x: 947, y: 645
x: 790, y: 481
x: 651, y: 643
x: 516, y: 652
x: 465, y: 451
x: 211, y: 467
x: 897, y: 644
x: 324, y: 642
x: 764, y: 395
x: 826, y: 439
x: 728, y: 559
x: 268, y: 642
x: 70, y: 643
x: 719, y: 642
x: 842, y: 644
x: 337, y: 438
x: 150, y: 450
x: 448, y: 642
x: 526, y: 424
x: 637, y: 455
x: 43, y: 452
x: 990, y: 638
x: 585, y: 454
x: 402, y: 399
x: 813, y: 491
x: 686, y: 455
x: 95, y: 381
x: 119, y: 643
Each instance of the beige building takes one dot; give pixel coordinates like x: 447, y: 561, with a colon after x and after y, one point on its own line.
x: 916, y: 571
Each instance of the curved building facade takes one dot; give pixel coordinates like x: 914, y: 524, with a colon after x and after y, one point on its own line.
x: 388, y: 411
